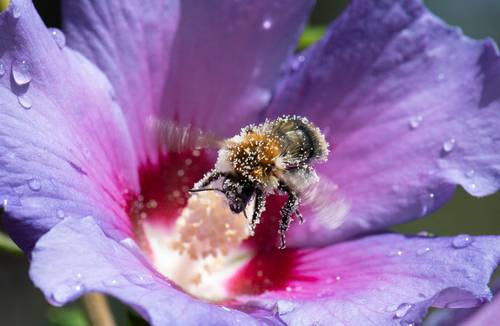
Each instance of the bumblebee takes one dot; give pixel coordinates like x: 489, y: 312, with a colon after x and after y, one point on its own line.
x: 273, y: 157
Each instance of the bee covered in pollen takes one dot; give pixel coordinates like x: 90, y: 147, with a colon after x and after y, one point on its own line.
x: 275, y: 156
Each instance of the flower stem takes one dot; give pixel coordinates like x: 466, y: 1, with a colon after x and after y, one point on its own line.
x: 7, y: 245
x: 98, y: 310
x: 4, y: 4
x: 310, y: 35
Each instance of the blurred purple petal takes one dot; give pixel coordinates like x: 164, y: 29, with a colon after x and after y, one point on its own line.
x: 64, y: 146
x: 193, y: 62
x: 86, y: 260
x: 225, y: 66
x: 486, y: 314
x: 411, y: 108
x: 132, y: 45
x: 379, y: 280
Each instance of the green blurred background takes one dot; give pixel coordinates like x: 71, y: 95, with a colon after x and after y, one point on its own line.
x: 22, y: 304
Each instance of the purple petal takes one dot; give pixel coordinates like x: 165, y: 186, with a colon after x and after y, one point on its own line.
x: 411, y: 108
x: 377, y: 280
x: 486, y: 314
x: 64, y: 146
x: 193, y: 62
x: 76, y: 257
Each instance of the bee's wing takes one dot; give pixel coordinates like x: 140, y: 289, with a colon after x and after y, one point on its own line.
x: 324, y: 201
x: 319, y: 197
x: 174, y: 137
x: 299, y: 178
x: 288, y: 131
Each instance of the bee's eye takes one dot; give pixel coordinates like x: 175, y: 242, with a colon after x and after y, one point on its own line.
x: 236, y: 205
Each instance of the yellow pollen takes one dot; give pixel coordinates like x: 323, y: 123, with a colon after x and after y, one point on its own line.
x: 255, y: 156
x: 151, y: 204
x: 207, y: 227
x: 196, y: 280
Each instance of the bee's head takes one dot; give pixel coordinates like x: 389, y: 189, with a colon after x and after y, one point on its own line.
x: 236, y: 204
x: 238, y: 193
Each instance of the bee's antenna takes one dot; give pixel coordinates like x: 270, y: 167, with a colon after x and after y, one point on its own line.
x: 204, y: 189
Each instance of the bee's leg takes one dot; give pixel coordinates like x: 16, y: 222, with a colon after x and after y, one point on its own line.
x: 259, y: 208
x: 287, y: 211
x: 207, y: 179
x: 299, y: 216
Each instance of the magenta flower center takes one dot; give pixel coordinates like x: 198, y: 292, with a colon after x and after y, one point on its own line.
x: 196, y: 241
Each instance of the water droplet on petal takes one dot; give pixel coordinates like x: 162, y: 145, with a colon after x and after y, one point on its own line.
x: 267, y: 23
x: 2, y: 69
x: 21, y: 72
x: 58, y: 36
x: 25, y: 101
x: 129, y: 243
x: 422, y: 251
x: 67, y: 291
x: 449, y: 145
x: 225, y: 308
x: 402, y: 310
x: 391, y: 308
x: 472, y: 187
x: 397, y: 252
x: 297, y: 62
x: 284, y: 307
x: 35, y: 184
x: 425, y: 234
x: 60, y: 213
x: 140, y: 279
x: 427, y: 202
x: 415, y: 121
x: 440, y: 77
x: 470, y: 173
x: 462, y: 241
x: 16, y: 12
x: 112, y: 282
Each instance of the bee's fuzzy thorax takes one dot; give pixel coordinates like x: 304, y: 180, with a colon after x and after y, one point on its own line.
x: 255, y: 156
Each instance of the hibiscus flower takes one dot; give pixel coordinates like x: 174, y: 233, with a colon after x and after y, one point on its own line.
x: 100, y: 203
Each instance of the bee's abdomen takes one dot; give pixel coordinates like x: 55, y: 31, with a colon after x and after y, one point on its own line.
x: 301, y: 140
